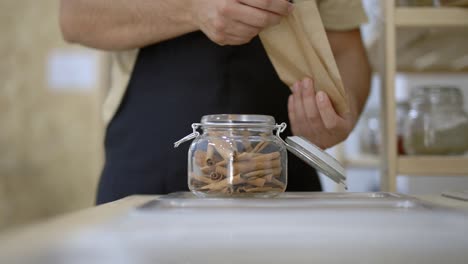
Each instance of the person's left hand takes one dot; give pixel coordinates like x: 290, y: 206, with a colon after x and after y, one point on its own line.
x: 312, y: 116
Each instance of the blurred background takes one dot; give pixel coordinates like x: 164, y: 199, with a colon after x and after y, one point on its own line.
x: 50, y: 122
x: 51, y: 93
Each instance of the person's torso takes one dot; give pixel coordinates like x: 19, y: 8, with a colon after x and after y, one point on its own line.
x: 175, y: 83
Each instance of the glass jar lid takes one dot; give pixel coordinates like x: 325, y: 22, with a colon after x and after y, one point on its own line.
x: 317, y: 158
x: 232, y: 120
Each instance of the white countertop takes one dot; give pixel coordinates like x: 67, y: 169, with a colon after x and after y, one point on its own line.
x: 118, y: 232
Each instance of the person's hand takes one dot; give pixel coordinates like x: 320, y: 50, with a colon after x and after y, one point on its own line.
x: 312, y: 116
x: 236, y: 22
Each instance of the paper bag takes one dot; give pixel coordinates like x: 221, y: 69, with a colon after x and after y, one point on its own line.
x: 298, y: 47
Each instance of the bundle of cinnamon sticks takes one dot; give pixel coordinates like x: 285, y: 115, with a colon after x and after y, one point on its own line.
x: 222, y: 169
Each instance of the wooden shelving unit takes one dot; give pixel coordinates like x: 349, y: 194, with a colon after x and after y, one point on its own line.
x: 355, y: 161
x: 433, y: 165
x: 392, y: 164
x: 430, y: 16
x: 363, y: 162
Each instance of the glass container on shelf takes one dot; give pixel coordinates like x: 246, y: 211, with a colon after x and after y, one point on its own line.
x: 450, y: 3
x: 369, y: 131
x: 415, y: 2
x: 436, y: 123
x: 401, y: 113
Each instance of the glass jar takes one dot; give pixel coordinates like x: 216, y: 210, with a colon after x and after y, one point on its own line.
x: 436, y: 123
x: 237, y: 155
x: 415, y: 2
x: 369, y: 132
x: 369, y: 129
x: 401, y: 114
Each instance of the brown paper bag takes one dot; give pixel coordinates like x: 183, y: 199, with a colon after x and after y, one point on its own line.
x: 298, y: 47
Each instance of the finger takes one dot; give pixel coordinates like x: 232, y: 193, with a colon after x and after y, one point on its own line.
x: 310, y: 105
x: 242, y: 30
x: 328, y: 114
x: 227, y: 39
x: 254, y: 16
x: 299, y: 107
x: 236, y: 40
x: 279, y: 7
x: 292, y: 115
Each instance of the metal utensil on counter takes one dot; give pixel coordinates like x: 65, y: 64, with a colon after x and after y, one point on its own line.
x: 457, y: 195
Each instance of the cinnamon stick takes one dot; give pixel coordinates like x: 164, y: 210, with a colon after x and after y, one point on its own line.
x: 208, y: 169
x: 225, y: 149
x: 278, y: 183
x: 221, y: 170
x: 259, y: 182
x: 252, y: 165
x: 200, y: 157
x: 262, y: 173
x: 248, y: 166
x: 263, y: 189
x: 214, y: 176
x: 222, y: 184
x: 269, y: 177
x: 260, y: 146
x: 259, y: 189
x: 246, y: 141
x: 269, y: 156
x: 209, y: 155
x: 201, y: 179
x: 226, y: 171
x: 247, y: 156
x: 240, y: 157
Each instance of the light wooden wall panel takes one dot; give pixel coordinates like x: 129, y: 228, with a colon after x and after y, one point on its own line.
x: 50, y: 141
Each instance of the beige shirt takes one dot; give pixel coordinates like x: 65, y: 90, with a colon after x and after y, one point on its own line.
x: 335, y: 14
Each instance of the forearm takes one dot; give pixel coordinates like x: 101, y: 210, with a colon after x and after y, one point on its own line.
x: 355, y: 73
x: 353, y: 64
x: 119, y: 24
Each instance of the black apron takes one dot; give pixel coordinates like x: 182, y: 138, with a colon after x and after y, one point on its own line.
x: 173, y: 84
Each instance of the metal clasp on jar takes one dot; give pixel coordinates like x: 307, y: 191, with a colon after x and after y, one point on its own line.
x: 279, y: 129
x: 190, y: 136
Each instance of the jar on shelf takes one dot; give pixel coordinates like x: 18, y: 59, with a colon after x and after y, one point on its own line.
x: 415, y: 2
x: 242, y: 156
x: 369, y: 132
x: 369, y: 129
x: 401, y: 114
x: 436, y: 123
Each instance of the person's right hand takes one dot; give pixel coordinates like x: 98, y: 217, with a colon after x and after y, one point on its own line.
x: 236, y: 22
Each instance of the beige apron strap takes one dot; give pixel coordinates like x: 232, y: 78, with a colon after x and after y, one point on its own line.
x: 121, y: 70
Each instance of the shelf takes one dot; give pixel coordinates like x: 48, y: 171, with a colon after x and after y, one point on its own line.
x: 431, y: 16
x: 456, y: 3
x: 433, y: 165
x: 363, y: 161
x: 432, y: 70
